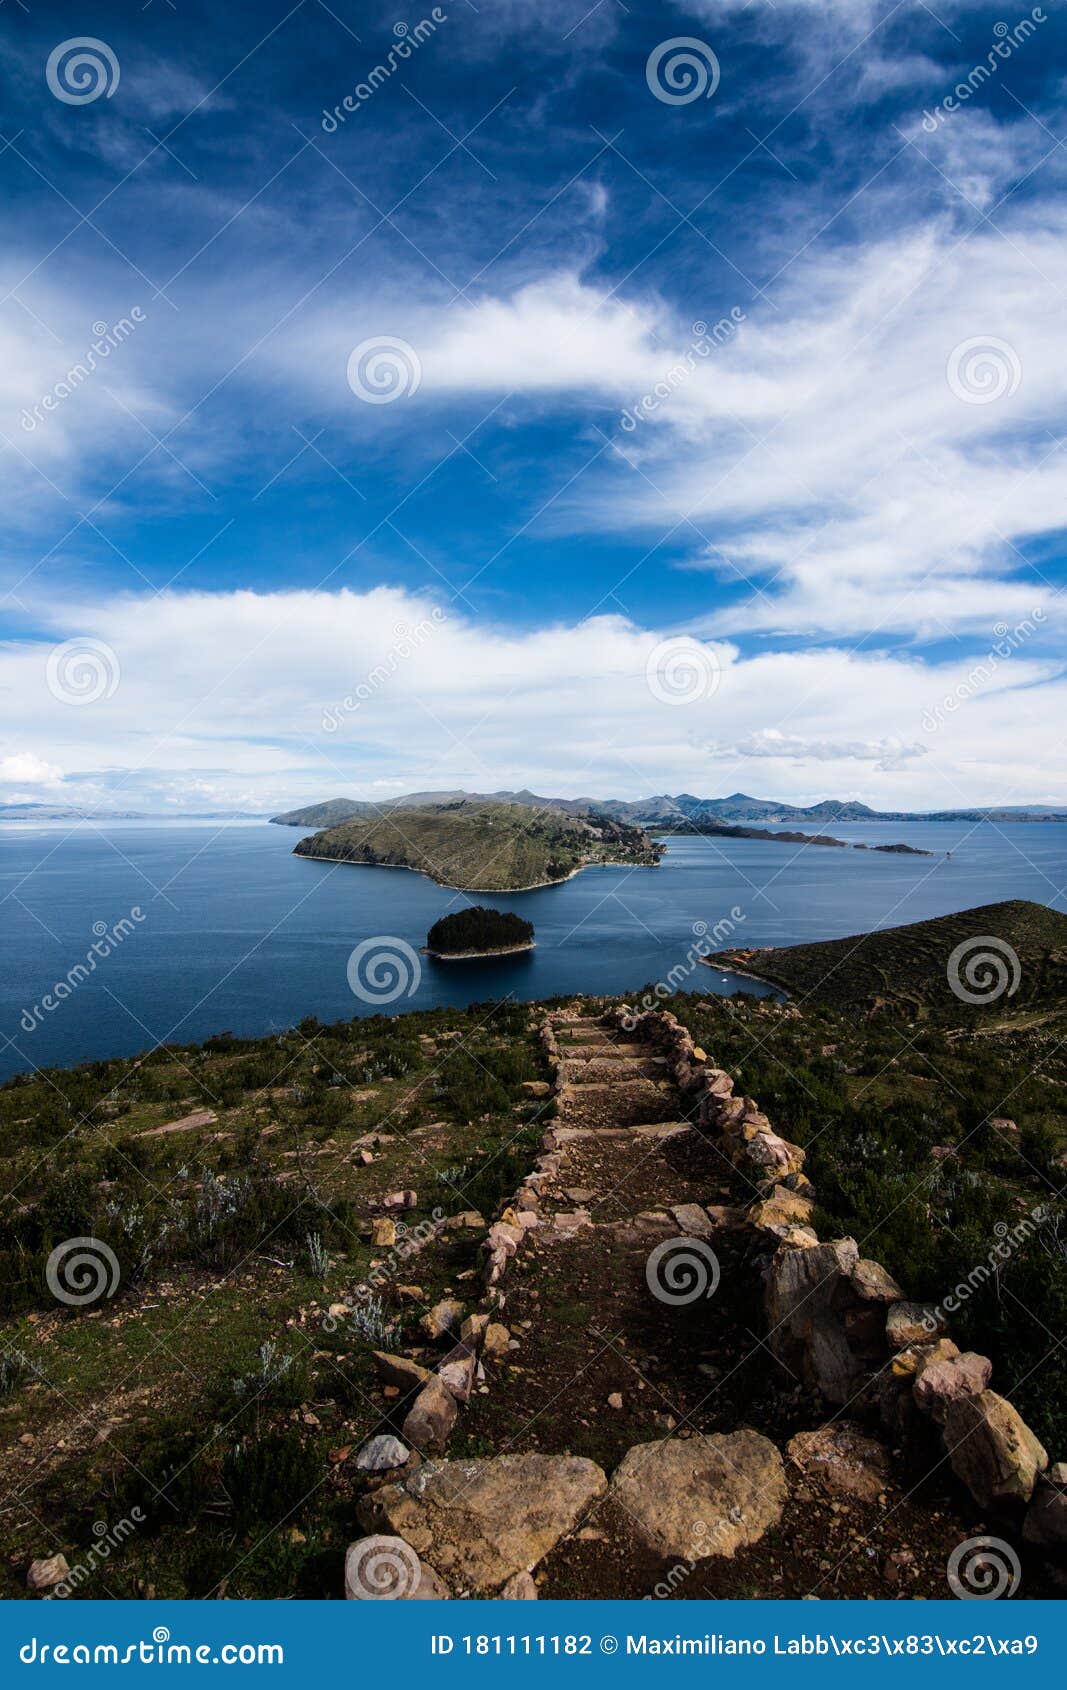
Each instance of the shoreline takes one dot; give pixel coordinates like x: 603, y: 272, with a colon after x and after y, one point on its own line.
x: 746, y: 974
x: 471, y: 956
x: 447, y: 886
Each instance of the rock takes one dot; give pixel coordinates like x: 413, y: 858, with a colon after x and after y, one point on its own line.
x: 1001, y: 1124
x: 992, y: 1449
x: 501, y: 1236
x: 913, y: 1323
x: 536, y: 1088
x: 443, y: 1319
x: 381, y: 1453
x: 431, y: 1417
x: 484, y: 1521
x: 870, y: 1281
x: 947, y: 1380
x: 472, y: 1331
x: 829, y: 1362
x: 768, y: 1150
x: 697, y: 1497
x: 386, y: 1569
x: 338, y: 1311
x: 615, y: 1399
x: 520, y: 1588
x: 43, y: 1574
x: 842, y: 1459
x: 400, y: 1200
x: 400, y: 1371
x: 365, y: 1158
x: 802, y: 1281
x: 691, y: 1219
x: 497, y: 1339
x: 383, y: 1232
x: 1046, y: 1517
x: 457, y: 1376
x: 468, y: 1220
x: 698, y: 1055
x: 781, y: 1207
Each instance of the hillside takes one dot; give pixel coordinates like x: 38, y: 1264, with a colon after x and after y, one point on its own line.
x: 1006, y: 957
x: 484, y: 846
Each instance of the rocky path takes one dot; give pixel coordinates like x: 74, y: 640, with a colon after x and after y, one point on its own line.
x: 628, y: 1341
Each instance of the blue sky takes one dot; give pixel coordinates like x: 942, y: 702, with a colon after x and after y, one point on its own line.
x: 722, y: 443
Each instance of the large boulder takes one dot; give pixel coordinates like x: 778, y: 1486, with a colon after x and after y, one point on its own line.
x: 946, y: 1380
x: 781, y: 1207
x: 842, y: 1459
x: 483, y: 1521
x: 913, y: 1323
x: 992, y: 1449
x: 800, y: 1282
x: 1046, y: 1517
x: 692, y: 1498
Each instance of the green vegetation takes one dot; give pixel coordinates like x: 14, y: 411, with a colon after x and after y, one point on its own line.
x: 209, y: 1389
x: 475, y: 931
x: 906, y: 970
x: 484, y: 846
x: 941, y: 1148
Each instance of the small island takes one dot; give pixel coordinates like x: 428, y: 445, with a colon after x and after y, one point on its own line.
x: 479, y: 932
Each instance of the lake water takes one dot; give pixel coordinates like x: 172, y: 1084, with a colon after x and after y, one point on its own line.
x: 236, y: 933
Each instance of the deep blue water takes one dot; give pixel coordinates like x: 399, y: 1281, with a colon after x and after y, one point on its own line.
x: 236, y: 933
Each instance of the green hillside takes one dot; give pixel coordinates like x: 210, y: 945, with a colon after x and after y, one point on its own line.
x: 1006, y: 958
x: 483, y: 846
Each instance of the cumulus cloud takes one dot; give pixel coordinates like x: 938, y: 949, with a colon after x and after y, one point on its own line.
x: 259, y: 700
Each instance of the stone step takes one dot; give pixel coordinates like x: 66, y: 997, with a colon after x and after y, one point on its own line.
x: 587, y: 1051
x: 653, y: 1129
x: 595, y: 1071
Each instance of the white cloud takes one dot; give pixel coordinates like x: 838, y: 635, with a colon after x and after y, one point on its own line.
x: 224, y: 699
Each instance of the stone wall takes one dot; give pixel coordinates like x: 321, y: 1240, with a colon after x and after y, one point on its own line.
x: 843, y: 1324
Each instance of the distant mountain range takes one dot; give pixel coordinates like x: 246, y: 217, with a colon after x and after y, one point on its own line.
x: 58, y: 813
x: 664, y: 811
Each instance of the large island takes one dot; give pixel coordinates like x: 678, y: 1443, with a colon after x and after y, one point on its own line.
x: 481, y: 845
